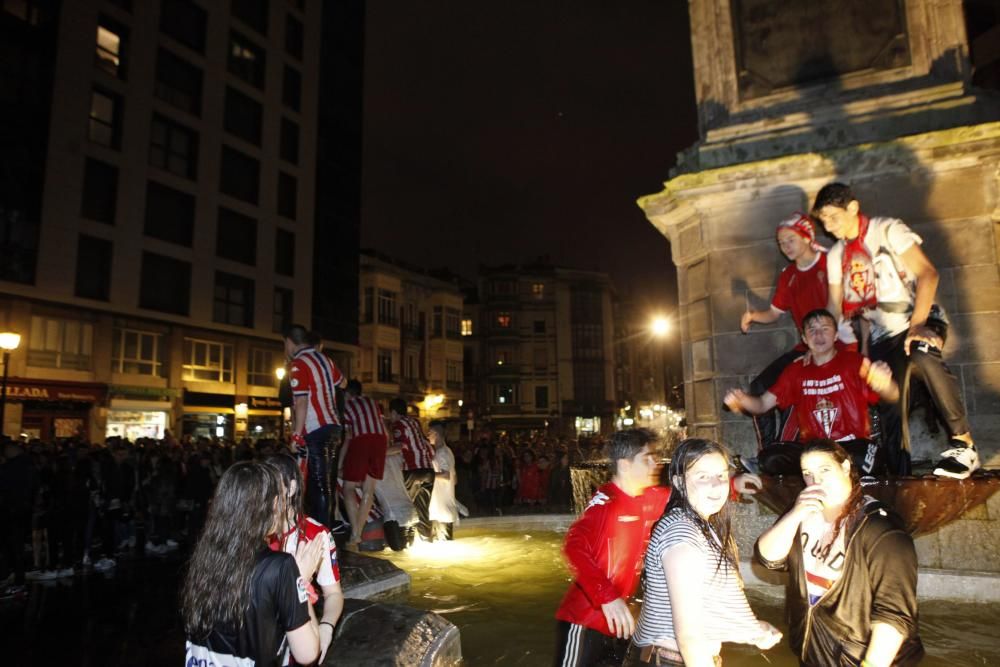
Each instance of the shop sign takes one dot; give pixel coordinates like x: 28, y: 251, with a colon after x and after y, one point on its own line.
x: 202, y: 399
x: 131, y: 391
x: 264, y: 403
x: 20, y: 390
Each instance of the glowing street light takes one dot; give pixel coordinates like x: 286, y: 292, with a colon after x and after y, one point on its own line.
x: 660, y: 326
x: 279, y: 373
x: 8, y: 343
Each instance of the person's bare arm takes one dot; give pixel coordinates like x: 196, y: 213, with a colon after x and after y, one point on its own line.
x: 878, y: 375
x: 333, y: 605
x: 760, y: 317
x: 300, y: 406
x: 883, y: 645
x: 739, y: 401
x: 927, y: 283
x: 684, y: 566
x: 835, y: 300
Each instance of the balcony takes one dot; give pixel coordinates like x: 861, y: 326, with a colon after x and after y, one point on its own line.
x: 412, y: 331
x: 503, y: 369
x: 384, y: 320
x: 454, y: 384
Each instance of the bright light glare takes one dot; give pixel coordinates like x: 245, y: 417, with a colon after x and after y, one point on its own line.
x: 9, y: 341
x: 446, y: 552
x: 279, y: 373
x: 660, y: 326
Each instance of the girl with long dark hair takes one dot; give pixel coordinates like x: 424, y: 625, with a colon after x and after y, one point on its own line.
x: 297, y: 529
x: 241, y: 602
x: 694, y: 597
x: 852, y: 589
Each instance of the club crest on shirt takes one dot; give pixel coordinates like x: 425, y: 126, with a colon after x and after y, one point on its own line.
x: 294, y: 382
x: 300, y: 587
x: 826, y: 414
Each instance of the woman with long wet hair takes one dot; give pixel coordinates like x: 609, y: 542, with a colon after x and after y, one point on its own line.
x: 852, y: 590
x: 297, y: 529
x: 241, y: 602
x: 694, y: 596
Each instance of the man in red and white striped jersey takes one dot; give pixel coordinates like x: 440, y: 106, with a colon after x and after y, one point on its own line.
x: 409, y: 441
x: 314, y: 381
x: 363, y: 460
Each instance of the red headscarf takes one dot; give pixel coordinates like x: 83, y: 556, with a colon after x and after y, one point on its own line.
x: 801, y: 224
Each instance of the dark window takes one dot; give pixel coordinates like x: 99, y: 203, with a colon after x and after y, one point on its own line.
x: 539, y: 326
x: 173, y: 147
x: 246, y: 60
x: 112, y: 38
x: 105, y: 118
x: 169, y: 214
x: 384, y: 361
x: 287, y: 195
x: 284, y: 252
x: 541, y: 398
x: 236, y: 237
x: 93, y: 268
x: 289, y: 148
x: 293, y: 36
x: 123, y: 4
x: 243, y: 116
x: 185, y: 22
x: 29, y: 11
x: 100, y: 191
x: 165, y: 284
x: 282, y: 316
x: 18, y: 246
x: 178, y: 83
x: 253, y: 13
x: 239, y: 175
x: 291, y: 90
x: 233, y: 300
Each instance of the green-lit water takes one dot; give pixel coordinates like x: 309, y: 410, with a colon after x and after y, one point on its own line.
x: 502, y: 588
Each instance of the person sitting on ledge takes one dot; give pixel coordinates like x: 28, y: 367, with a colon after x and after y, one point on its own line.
x: 878, y: 271
x: 829, y: 391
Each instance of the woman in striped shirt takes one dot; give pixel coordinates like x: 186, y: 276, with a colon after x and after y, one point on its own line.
x: 694, y: 597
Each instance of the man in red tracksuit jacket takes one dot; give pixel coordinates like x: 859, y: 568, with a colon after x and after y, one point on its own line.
x: 605, y: 549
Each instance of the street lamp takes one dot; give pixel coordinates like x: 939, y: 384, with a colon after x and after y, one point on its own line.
x: 279, y: 373
x: 660, y: 328
x: 8, y: 343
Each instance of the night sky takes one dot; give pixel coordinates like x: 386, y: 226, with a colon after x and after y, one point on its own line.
x: 501, y: 131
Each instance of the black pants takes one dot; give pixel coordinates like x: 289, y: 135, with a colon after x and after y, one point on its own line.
x: 419, y: 484
x: 941, y: 384
x: 318, y: 495
x: 782, y: 458
x: 577, y: 645
x: 769, y: 426
x: 16, y: 527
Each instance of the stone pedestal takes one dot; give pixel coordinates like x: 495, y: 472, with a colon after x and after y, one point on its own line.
x: 388, y: 635
x: 720, y: 223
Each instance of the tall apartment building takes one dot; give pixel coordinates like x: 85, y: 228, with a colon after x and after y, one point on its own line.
x: 156, y: 212
x: 539, y: 350
x: 410, y: 337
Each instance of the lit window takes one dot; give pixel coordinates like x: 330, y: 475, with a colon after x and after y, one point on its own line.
x: 137, y: 352
x: 503, y: 320
x: 108, y: 55
x: 207, y: 361
x: 466, y: 327
x: 538, y: 290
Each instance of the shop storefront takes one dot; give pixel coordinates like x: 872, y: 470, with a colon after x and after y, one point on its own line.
x: 53, y: 409
x: 208, y: 415
x: 264, y: 417
x: 139, y: 412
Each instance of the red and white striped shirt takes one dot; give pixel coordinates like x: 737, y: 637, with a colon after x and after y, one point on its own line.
x: 314, y: 374
x: 417, y: 450
x: 363, y: 416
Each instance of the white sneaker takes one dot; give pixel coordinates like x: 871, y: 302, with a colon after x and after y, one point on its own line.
x: 104, y: 564
x: 957, y: 462
x: 32, y: 575
x: 171, y: 545
x: 46, y: 575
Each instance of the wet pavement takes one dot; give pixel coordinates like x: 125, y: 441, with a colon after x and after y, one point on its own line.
x: 126, y: 616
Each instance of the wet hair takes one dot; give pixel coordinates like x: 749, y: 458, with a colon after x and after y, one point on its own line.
x: 625, y: 444
x: 688, y: 453
x: 298, y: 334
x: 354, y: 387
x: 398, y: 406
x: 833, y: 194
x: 289, y: 472
x: 216, y: 588
x: 856, y: 499
x: 817, y: 314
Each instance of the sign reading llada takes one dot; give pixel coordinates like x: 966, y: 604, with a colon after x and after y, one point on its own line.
x: 19, y: 389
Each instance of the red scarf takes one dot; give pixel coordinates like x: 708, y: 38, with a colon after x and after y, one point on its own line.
x: 858, y: 273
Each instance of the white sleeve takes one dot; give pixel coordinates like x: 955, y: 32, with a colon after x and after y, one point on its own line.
x: 324, y: 575
x: 899, y: 237
x: 834, y: 259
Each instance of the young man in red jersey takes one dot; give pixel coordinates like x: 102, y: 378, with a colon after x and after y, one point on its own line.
x: 605, y: 548
x: 829, y: 391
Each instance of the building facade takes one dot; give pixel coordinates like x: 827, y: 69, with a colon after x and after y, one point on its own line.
x: 163, y: 235
x: 410, y: 338
x: 539, y: 350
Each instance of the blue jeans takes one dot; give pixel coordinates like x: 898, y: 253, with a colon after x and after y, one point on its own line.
x: 318, y: 485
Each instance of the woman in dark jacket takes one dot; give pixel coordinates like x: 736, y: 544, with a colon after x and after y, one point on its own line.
x: 852, y: 589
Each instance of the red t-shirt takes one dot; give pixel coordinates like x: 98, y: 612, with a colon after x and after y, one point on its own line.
x: 800, y: 292
x: 830, y: 401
